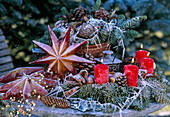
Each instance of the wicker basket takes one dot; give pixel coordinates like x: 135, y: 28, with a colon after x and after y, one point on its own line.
x: 94, y: 50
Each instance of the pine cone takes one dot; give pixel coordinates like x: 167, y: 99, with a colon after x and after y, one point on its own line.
x: 102, y: 13
x: 61, y: 24
x: 86, y: 66
x: 121, y: 80
x: 86, y: 31
x: 57, y: 102
x: 79, y: 13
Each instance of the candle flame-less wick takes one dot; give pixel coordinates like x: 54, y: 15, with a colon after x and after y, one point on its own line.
x: 148, y: 54
x: 141, y: 46
x: 101, y: 60
x: 133, y: 60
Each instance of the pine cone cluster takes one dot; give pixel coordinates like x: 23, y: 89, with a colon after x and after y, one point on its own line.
x: 86, y: 66
x: 79, y: 13
x: 86, y: 31
x: 102, y: 13
x: 121, y: 80
x: 57, y: 102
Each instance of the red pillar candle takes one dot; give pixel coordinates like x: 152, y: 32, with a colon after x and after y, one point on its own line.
x: 131, y: 73
x: 101, y: 73
x: 141, y: 54
x: 148, y: 64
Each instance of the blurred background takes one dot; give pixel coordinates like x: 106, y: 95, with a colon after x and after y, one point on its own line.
x: 25, y: 20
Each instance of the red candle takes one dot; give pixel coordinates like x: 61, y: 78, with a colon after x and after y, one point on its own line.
x: 148, y: 64
x: 131, y: 73
x: 101, y: 73
x: 141, y: 54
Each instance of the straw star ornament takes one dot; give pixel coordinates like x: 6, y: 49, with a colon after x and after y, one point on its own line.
x: 30, y: 83
x: 60, y: 56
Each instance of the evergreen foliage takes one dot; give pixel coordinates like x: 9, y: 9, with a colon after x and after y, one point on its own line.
x: 154, y: 33
x: 109, y: 32
x: 25, y: 20
x: 97, y: 5
x: 149, y: 90
x: 64, y: 11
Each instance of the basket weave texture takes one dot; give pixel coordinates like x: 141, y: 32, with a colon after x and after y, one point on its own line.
x: 94, y: 50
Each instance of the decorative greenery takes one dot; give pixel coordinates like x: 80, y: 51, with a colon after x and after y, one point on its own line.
x: 159, y: 91
x: 154, y: 33
x: 104, y: 93
x: 130, y: 23
x: 25, y: 20
x: 149, y: 90
x: 97, y: 5
x: 117, y: 31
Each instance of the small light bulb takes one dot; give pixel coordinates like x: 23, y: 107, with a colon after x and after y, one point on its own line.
x: 38, y: 97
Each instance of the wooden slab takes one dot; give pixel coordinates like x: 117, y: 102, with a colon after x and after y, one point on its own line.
x: 5, y: 59
x: 1, y: 32
x: 6, y: 67
x: 2, y: 38
x: 3, y: 45
x: 4, y: 52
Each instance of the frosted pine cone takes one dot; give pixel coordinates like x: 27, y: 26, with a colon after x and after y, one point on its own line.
x: 86, y: 31
x: 86, y: 66
x: 121, y: 80
x: 57, y: 102
x: 102, y: 13
x: 61, y: 24
x: 79, y: 13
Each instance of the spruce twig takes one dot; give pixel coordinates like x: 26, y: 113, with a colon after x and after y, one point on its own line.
x: 132, y: 22
x: 64, y: 11
x: 97, y: 5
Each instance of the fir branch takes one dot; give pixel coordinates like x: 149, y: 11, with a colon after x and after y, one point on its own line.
x: 103, y: 93
x: 46, y: 38
x: 97, y: 5
x: 133, y: 98
x: 132, y: 22
x: 14, y: 2
x: 29, y: 5
x: 159, y: 91
x: 162, y: 25
x: 3, y: 10
x: 120, y: 19
x: 64, y: 11
x: 130, y: 34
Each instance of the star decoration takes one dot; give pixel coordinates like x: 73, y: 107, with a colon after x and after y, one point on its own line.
x: 27, y: 86
x: 11, y: 76
x: 60, y: 56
